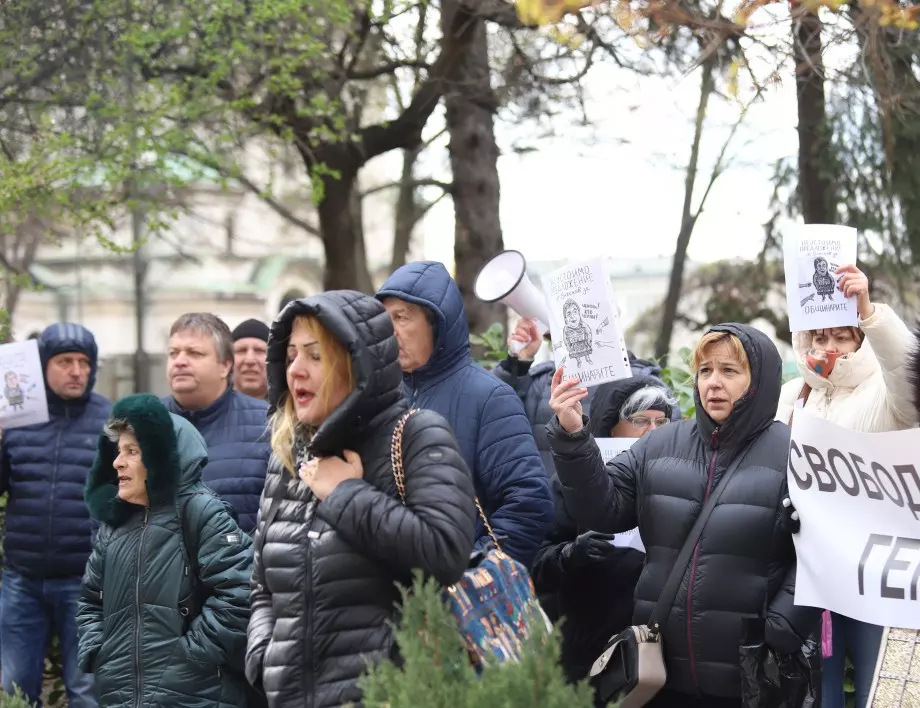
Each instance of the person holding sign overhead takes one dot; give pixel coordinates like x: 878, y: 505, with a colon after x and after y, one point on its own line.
x: 728, y: 469
x: 855, y: 377
x: 591, y: 579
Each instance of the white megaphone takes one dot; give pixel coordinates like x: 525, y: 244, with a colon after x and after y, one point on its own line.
x: 504, y: 279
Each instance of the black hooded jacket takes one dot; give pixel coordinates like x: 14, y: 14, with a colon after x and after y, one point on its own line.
x: 330, y: 568
x: 595, y: 599
x: 745, y: 561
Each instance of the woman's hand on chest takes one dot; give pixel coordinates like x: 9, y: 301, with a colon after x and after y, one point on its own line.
x: 324, y: 474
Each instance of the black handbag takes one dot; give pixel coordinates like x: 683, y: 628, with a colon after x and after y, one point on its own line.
x: 632, y: 667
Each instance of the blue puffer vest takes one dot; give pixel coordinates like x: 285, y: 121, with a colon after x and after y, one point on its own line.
x: 235, y: 430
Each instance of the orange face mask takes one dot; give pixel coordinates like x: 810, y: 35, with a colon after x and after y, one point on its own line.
x: 821, y: 362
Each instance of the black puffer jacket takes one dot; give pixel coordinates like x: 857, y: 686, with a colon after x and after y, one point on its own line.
x: 325, y: 578
x: 595, y: 597
x: 745, y: 559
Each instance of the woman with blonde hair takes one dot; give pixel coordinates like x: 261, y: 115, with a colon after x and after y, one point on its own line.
x: 333, y: 538
x: 731, y: 462
x: 857, y: 378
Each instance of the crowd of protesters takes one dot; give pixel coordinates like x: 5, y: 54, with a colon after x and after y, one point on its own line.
x: 240, y: 542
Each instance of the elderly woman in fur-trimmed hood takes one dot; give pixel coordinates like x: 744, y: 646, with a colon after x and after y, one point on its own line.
x: 165, y: 602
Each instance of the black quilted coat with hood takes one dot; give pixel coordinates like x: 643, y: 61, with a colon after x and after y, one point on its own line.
x: 745, y: 559
x: 324, y: 582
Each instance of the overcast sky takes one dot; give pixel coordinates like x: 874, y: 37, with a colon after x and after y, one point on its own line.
x: 622, y: 195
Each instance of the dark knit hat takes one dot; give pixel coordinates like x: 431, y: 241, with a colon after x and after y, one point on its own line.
x: 254, y: 329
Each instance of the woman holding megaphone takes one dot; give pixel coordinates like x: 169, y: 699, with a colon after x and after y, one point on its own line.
x: 855, y: 377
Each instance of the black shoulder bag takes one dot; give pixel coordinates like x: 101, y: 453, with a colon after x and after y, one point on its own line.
x: 632, y: 664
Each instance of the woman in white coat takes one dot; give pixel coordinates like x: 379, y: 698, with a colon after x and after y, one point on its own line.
x: 857, y: 378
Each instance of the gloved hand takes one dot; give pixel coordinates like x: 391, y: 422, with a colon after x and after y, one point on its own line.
x: 790, y: 517
x: 589, y: 548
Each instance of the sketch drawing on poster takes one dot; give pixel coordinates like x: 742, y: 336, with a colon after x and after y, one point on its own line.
x: 23, y: 401
x: 586, y: 335
x: 610, y: 448
x: 812, y: 253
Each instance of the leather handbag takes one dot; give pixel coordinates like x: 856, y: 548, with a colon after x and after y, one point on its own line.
x: 494, y: 603
x: 632, y: 665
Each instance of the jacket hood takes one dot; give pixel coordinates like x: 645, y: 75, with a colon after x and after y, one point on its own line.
x: 609, y: 398
x: 849, y: 371
x: 427, y: 283
x: 755, y: 411
x: 173, y: 452
x: 61, y: 338
x: 363, y: 326
x: 641, y: 367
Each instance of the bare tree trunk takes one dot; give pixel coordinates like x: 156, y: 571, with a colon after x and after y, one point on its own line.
x: 406, y: 209
x: 815, y: 189
x: 687, y: 218
x: 471, y: 103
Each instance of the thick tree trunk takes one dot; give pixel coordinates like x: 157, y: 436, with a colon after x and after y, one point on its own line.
x: 687, y: 218
x: 343, y: 241
x: 471, y: 103
x: 815, y: 189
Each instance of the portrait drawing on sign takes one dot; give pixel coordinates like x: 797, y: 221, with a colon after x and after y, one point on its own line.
x: 12, y: 391
x: 823, y: 281
x: 577, y: 334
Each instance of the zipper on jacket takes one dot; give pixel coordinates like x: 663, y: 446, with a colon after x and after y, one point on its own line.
x: 714, y: 444
x: 137, y: 612
x: 310, y: 675
x: 54, y: 474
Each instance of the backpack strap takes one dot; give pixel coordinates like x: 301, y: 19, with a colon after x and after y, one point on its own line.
x: 190, y: 543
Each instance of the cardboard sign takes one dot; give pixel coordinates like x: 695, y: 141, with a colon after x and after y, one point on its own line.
x: 858, y: 498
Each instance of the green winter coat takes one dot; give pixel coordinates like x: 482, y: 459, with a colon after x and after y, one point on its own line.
x: 133, y: 636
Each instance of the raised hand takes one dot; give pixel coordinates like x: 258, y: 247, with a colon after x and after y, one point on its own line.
x: 565, y: 400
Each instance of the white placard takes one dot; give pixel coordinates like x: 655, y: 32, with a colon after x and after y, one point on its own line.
x: 584, y: 325
x: 23, y: 401
x: 858, y: 498
x: 811, y: 255
x: 610, y: 448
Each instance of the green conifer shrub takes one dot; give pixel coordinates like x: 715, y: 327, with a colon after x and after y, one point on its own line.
x: 436, y: 672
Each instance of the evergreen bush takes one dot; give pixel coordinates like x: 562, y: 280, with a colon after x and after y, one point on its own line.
x: 436, y: 672
x: 17, y: 700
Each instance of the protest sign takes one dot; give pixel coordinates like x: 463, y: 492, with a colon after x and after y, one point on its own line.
x: 584, y: 324
x: 811, y: 255
x: 23, y: 401
x: 858, y: 498
x: 610, y: 448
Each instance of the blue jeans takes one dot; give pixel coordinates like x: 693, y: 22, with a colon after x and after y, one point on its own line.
x: 861, y: 642
x: 26, y: 609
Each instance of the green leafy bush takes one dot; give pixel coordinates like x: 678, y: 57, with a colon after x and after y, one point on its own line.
x: 491, y: 346
x: 436, y: 673
x: 679, y: 379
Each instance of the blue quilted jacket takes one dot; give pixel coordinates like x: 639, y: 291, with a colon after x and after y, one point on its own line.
x: 44, y: 468
x: 485, y: 413
x: 236, y: 432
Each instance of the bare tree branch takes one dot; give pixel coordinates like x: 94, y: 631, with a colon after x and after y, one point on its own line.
x: 446, y: 187
x: 385, y: 69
